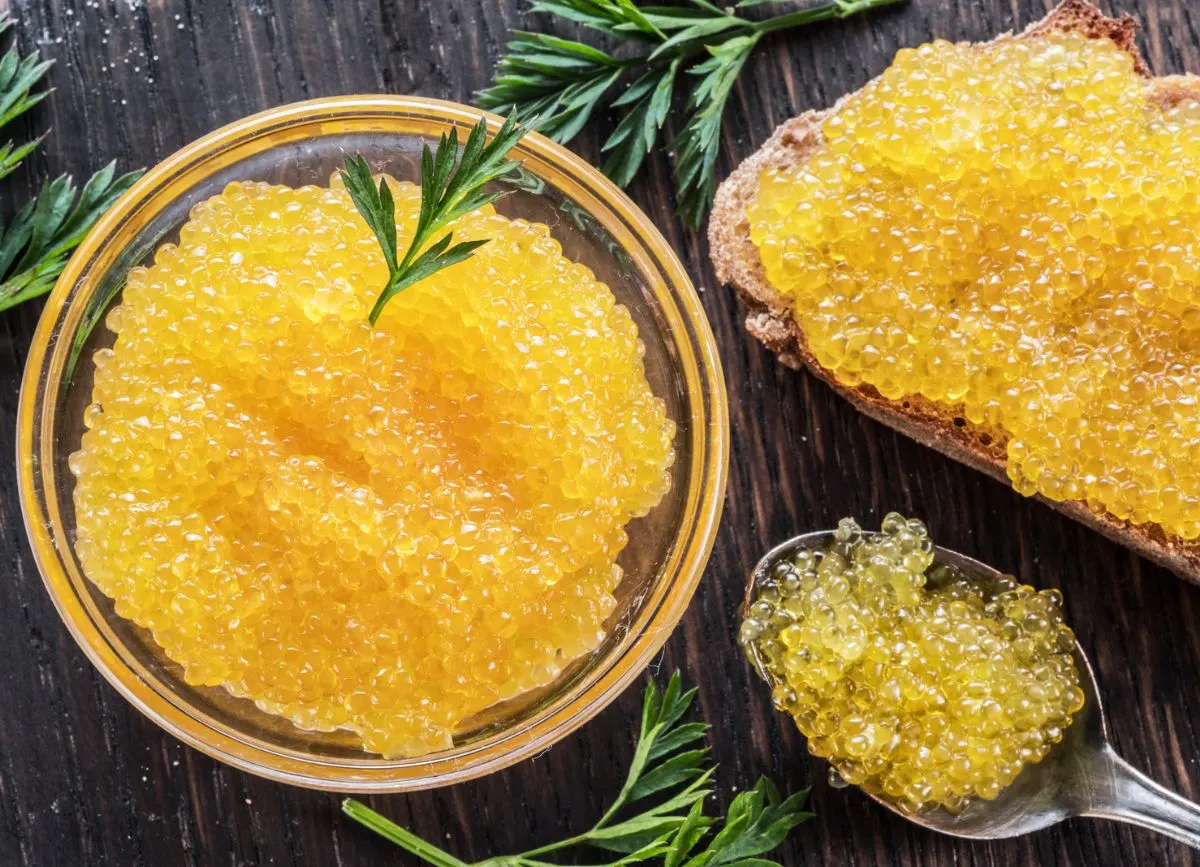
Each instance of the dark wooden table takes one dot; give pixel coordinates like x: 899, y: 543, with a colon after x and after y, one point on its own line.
x: 85, y: 779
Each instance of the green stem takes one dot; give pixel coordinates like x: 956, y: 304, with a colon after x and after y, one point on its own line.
x: 384, y: 827
x: 713, y: 8
x: 384, y: 297
x: 641, y: 755
x: 614, y: 809
x: 836, y: 9
x: 559, y: 844
x: 833, y: 9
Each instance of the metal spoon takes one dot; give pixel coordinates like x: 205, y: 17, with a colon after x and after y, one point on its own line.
x: 1080, y: 776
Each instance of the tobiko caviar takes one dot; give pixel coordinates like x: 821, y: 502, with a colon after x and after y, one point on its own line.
x: 1010, y: 229
x: 388, y: 529
x: 920, y: 684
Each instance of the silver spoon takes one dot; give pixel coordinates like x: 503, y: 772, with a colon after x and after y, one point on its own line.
x: 1080, y: 776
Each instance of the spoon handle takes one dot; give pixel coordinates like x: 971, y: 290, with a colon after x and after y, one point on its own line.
x: 1111, y: 788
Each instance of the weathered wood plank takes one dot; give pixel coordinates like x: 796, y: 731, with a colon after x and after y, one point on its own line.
x: 84, y: 779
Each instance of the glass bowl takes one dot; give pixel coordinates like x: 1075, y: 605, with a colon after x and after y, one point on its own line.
x: 304, y: 143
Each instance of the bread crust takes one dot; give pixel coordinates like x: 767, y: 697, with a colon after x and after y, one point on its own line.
x: 937, y: 425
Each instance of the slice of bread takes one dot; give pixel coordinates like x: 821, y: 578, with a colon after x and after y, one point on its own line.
x: 935, y: 424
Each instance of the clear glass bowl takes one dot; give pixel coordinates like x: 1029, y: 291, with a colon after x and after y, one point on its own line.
x: 304, y: 143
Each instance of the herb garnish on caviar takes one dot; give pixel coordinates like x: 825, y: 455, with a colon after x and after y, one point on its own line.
x: 667, y: 764
x: 451, y: 187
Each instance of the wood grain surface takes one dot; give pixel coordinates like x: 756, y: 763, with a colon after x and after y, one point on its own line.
x: 85, y: 779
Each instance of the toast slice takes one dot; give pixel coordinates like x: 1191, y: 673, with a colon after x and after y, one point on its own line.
x: 935, y: 424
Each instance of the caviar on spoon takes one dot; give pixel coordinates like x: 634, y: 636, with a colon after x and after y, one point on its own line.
x: 986, y: 788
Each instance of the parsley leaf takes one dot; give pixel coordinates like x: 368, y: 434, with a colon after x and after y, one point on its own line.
x: 452, y: 186
x: 673, y: 774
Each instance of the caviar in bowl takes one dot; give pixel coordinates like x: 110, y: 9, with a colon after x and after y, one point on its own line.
x: 595, y: 225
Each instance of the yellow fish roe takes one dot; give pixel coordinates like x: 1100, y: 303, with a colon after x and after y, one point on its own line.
x: 386, y: 529
x: 1011, y: 230
x: 923, y: 686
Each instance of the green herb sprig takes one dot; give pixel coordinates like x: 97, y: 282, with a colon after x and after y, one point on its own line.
x: 451, y: 187
x: 18, y: 76
x: 564, y: 81
x: 34, y: 247
x: 669, y: 770
x: 35, y: 244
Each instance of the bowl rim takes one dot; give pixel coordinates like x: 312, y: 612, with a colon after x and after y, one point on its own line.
x: 688, y: 326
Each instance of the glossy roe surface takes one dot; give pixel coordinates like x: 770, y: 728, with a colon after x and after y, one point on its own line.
x: 920, y: 684
x: 380, y: 529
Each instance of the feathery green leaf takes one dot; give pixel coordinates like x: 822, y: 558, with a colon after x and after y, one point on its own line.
x: 757, y: 821
x: 608, y: 16
x: 18, y: 77
x: 36, y: 242
x: 700, y: 140
x: 34, y: 246
x: 564, y: 81
x: 636, y: 133
x: 667, y: 832
x: 452, y: 186
x: 690, y: 833
x: 559, y: 81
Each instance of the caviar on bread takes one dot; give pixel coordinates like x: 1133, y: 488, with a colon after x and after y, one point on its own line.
x: 992, y: 248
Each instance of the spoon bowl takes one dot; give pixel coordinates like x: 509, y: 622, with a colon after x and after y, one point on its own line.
x: 1080, y: 776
